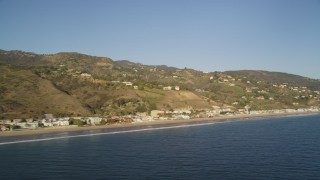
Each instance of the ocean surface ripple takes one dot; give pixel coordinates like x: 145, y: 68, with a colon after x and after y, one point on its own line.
x: 275, y: 148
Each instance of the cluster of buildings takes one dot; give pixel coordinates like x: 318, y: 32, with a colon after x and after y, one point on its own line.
x: 282, y: 111
x: 50, y: 121
x: 169, y: 88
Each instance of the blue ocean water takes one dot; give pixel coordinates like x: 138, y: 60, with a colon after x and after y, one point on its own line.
x: 274, y: 148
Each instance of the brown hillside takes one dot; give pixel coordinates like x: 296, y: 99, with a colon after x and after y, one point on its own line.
x: 24, y: 94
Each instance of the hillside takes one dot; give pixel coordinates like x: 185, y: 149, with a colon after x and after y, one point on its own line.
x: 78, y: 84
x: 278, y: 77
x: 23, y: 94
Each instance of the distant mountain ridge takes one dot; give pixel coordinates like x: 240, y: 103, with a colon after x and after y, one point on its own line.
x: 277, y: 77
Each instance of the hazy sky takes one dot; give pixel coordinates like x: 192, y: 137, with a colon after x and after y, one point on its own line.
x: 208, y: 35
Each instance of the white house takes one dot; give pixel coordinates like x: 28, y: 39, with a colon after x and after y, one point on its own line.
x: 32, y: 125
x: 61, y: 123
x: 85, y: 75
x: 93, y: 120
x: 168, y: 88
x: 26, y: 125
x: 181, y: 111
x: 46, y: 123
x: 127, y: 83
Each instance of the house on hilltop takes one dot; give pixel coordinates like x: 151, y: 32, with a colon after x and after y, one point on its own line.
x: 127, y: 83
x: 168, y: 88
x: 85, y: 75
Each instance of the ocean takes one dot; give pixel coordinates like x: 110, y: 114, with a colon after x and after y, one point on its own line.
x: 261, y: 148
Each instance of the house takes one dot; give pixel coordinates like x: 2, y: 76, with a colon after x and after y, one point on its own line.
x: 135, y: 87
x: 48, y: 116
x: 225, y: 110
x: 127, y: 83
x: 156, y: 113
x: 29, y: 120
x: 61, y: 123
x: 94, y: 120
x: 146, y: 118
x: 168, y: 88
x: 260, y: 98
x: 85, y: 75
x: 235, y: 103
x: 22, y: 125
x: 180, y: 116
x: 177, y: 88
x: 26, y: 125
x: 46, y: 123
x: 249, y: 90
x: 213, y: 113
x: 17, y: 121
x: 141, y: 114
x: 6, y: 121
x: 181, y: 111
x: 200, y: 90
x: 3, y: 128
x: 32, y: 125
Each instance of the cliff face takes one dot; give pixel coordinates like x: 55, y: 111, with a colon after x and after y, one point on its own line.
x: 78, y: 84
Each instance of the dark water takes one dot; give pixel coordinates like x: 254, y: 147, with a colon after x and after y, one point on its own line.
x: 277, y: 148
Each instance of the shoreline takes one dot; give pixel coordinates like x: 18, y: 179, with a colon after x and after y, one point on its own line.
x: 156, y: 123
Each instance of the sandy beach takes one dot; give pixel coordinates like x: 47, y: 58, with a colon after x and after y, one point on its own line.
x: 156, y: 123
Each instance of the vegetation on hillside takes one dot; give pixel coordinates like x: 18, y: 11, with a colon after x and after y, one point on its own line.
x: 76, y: 84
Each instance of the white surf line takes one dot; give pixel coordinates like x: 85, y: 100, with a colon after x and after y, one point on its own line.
x: 108, y: 133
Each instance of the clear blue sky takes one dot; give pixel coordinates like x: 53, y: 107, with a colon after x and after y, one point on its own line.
x: 208, y: 35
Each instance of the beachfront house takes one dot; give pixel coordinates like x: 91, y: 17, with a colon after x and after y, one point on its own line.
x: 17, y: 121
x: 46, y: 123
x: 93, y: 120
x: 61, y: 123
x: 3, y: 128
x: 26, y: 125
x: 182, y: 111
x: 48, y: 116
x: 32, y: 125
x: 180, y: 116
x: 156, y: 113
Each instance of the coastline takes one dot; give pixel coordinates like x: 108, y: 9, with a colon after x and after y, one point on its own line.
x: 156, y: 123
